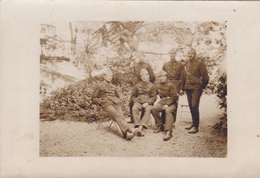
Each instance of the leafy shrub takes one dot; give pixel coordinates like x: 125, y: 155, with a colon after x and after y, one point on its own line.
x: 74, y: 101
x: 222, y: 95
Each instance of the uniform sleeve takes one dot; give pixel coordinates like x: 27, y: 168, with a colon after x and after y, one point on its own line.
x: 151, y: 73
x: 95, y: 95
x: 204, y: 74
x: 116, y: 93
x: 174, y: 96
x: 182, y: 77
x: 153, y: 94
x: 134, y: 94
x: 164, y: 68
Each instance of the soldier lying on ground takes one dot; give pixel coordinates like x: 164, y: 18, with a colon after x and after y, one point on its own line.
x: 106, y: 95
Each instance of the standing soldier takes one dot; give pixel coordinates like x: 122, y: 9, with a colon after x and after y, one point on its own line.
x: 167, y: 104
x: 141, y: 64
x: 196, y: 80
x: 175, y: 73
x: 143, y: 96
x: 106, y: 95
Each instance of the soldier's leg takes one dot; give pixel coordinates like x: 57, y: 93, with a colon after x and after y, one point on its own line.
x: 137, y: 107
x: 116, y: 114
x: 131, y: 104
x: 196, y: 94
x: 189, y: 98
x: 156, y: 110
x: 146, y: 117
x: 169, y: 119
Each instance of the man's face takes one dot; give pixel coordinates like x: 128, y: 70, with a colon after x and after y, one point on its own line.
x: 145, y: 77
x: 162, y: 78
x: 191, y: 54
x: 172, y: 55
x: 108, y: 77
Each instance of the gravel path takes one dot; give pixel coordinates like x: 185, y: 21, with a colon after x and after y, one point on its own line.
x: 68, y: 138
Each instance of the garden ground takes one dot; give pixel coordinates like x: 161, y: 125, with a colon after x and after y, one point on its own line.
x: 75, y: 139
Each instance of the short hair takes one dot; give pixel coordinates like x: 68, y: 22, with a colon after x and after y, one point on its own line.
x: 192, y: 49
x: 108, y: 71
x: 143, y: 72
x: 161, y: 73
x: 173, y: 50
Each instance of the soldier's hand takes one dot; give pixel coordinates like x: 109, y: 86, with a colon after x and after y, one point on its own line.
x: 165, y: 107
x: 145, y: 105
x: 181, y: 92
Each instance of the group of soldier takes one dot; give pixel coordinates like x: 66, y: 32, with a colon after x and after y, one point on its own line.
x: 171, y: 81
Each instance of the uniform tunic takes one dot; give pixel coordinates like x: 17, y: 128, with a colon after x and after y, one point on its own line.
x: 169, y: 96
x: 143, y: 92
x: 196, y: 79
x: 175, y: 73
x: 106, y: 95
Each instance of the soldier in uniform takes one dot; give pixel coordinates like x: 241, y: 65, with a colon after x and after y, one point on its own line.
x: 143, y: 97
x: 140, y: 64
x: 175, y: 71
x: 175, y: 74
x: 167, y: 104
x: 196, y: 80
x: 105, y: 94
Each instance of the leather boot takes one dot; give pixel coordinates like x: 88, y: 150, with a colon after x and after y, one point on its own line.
x: 188, y: 128
x: 129, y: 136
x: 159, y: 129
x: 193, y: 130
x: 168, y: 135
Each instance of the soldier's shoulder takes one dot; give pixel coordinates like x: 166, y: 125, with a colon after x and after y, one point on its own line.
x: 166, y: 63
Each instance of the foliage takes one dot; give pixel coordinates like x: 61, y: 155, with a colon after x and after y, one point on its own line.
x: 222, y: 95
x: 115, y: 44
x: 74, y: 102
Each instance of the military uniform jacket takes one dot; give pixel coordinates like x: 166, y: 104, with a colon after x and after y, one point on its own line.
x: 175, y: 72
x: 105, y: 94
x: 196, y: 75
x: 167, y: 93
x: 142, y: 65
x: 144, y: 92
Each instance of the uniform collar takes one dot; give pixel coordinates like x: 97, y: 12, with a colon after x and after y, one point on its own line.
x: 173, y: 61
x: 193, y: 61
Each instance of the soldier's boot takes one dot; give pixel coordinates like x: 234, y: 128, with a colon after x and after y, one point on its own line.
x: 189, y: 127
x: 129, y: 136
x: 159, y: 129
x: 168, y: 135
x: 193, y: 130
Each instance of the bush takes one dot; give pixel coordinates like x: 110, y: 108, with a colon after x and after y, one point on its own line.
x: 222, y: 95
x: 74, y: 101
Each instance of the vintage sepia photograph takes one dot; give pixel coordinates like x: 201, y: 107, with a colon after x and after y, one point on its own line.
x: 158, y: 89
x: 133, y: 89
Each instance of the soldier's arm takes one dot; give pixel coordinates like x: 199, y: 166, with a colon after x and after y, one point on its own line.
x: 164, y: 68
x: 153, y: 93
x: 182, y: 77
x: 134, y: 94
x: 204, y: 74
x: 116, y: 93
x: 151, y: 73
x: 174, y: 95
x: 95, y: 95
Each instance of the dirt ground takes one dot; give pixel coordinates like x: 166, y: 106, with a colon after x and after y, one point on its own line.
x: 75, y: 139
